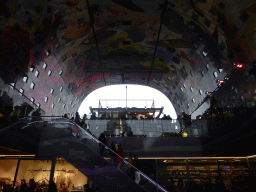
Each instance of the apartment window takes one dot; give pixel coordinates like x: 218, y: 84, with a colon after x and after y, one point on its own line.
x: 193, y: 100
x: 38, y: 105
x: 184, y: 85
x: 181, y: 89
x: 207, y: 66
x: 60, y: 73
x: 44, y: 66
x: 215, y: 74
x: 71, y: 102
x: 32, y: 85
x: 48, y: 52
x: 64, y: 105
x: 25, y: 79
x: 191, y: 89
x: 73, y: 105
x: 59, y: 99
x: 53, y: 105
x: 46, y: 99
x: 32, y: 99
x: 188, y: 105
x: 49, y: 73
x: 220, y: 70
x: 12, y: 85
x: 31, y: 68
x: 52, y: 90
x: 202, y: 73
x: 37, y: 73
x: 61, y: 88
x: 204, y: 53
x: 191, y: 73
x: 21, y: 91
x: 200, y: 92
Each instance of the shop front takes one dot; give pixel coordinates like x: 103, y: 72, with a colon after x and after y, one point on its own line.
x: 66, y: 177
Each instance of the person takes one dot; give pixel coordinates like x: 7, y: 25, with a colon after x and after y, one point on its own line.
x: 119, y: 160
x: 187, y: 119
x: 52, y: 186
x: 113, y: 155
x: 102, y: 139
x: 136, y: 164
x: 23, y: 186
x: 130, y: 170
x: 77, y: 119
x: 7, y: 188
x: 32, y: 185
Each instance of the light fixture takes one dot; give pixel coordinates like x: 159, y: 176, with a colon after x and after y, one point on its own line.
x: 239, y: 66
x: 220, y: 81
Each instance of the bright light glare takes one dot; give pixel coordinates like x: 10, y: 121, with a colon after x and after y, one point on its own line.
x: 133, y: 92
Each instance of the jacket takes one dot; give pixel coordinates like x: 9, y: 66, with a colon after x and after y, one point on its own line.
x: 120, y: 153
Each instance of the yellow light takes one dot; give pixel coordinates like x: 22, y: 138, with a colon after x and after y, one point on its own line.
x: 184, y: 134
x: 150, y: 113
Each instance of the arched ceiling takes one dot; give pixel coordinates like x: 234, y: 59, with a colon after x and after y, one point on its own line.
x: 173, y: 46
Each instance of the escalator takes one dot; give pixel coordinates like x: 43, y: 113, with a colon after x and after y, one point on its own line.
x: 51, y: 136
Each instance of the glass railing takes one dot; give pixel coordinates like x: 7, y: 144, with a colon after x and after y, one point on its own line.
x: 56, y: 128
x: 148, y: 128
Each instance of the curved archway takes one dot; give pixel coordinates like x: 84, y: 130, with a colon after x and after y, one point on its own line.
x: 137, y: 96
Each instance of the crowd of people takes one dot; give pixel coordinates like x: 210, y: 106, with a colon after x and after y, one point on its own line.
x: 31, y: 186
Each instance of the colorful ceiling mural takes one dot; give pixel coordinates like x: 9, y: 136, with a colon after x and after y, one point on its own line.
x: 58, y: 43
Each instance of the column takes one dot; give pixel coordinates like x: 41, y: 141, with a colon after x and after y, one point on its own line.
x: 188, y: 173
x: 52, y: 168
x: 16, y: 173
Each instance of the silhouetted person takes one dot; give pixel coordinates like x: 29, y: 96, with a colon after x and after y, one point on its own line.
x: 130, y: 169
x: 23, y: 187
x: 102, y: 139
x: 32, y: 185
x: 93, y: 116
x: 77, y: 119
x: 7, y: 188
x: 52, y: 186
x: 113, y: 155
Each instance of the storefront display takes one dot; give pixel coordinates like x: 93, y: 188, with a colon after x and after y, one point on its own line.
x: 66, y: 177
